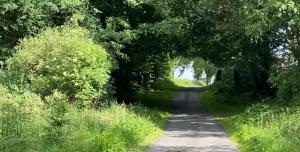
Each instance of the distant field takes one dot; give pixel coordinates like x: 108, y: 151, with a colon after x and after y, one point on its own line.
x: 188, y: 83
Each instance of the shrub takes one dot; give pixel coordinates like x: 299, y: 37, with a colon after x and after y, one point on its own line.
x: 287, y: 81
x: 65, y: 59
x: 58, y: 106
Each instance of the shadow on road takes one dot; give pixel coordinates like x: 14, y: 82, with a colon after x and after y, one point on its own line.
x: 191, y: 129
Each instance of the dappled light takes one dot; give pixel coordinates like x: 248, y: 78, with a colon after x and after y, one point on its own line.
x: 191, y: 128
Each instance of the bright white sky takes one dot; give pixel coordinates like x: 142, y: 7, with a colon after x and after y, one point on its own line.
x: 187, y: 74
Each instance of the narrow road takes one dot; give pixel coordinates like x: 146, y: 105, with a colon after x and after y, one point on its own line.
x: 191, y: 129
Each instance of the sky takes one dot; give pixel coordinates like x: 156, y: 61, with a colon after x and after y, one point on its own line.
x: 187, y: 74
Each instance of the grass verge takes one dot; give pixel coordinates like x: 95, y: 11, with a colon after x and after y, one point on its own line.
x: 262, y: 127
x: 117, y: 128
x: 29, y: 123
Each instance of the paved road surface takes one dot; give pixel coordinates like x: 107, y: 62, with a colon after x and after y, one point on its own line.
x: 191, y: 129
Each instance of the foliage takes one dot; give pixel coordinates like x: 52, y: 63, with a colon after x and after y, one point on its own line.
x: 114, y: 128
x: 287, y: 82
x: 243, y: 39
x: 115, y: 36
x: 157, y: 99
x: 259, y: 125
x: 65, y: 59
x: 20, y: 118
x: 279, y: 19
x: 58, y: 106
x: 21, y: 18
x: 213, y: 103
x: 200, y: 66
x: 128, y: 30
x: 161, y: 95
x: 164, y: 85
x: 255, y: 127
x: 228, y: 92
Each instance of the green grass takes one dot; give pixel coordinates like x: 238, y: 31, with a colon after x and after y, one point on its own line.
x: 174, y: 84
x: 261, y: 127
x: 165, y: 85
x: 188, y: 83
x: 158, y: 99
x: 118, y: 128
x: 164, y: 90
x: 212, y: 104
x: 29, y: 123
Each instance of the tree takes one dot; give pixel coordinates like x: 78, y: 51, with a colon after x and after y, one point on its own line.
x: 21, y: 18
x: 201, y: 66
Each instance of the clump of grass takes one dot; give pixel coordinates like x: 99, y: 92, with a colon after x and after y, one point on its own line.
x: 261, y: 127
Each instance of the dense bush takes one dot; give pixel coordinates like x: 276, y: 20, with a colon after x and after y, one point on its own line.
x: 65, y: 59
x: 287, y: 81
x: 227, y: 91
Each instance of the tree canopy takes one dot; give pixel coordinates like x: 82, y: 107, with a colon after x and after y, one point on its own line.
x: 249, y: 38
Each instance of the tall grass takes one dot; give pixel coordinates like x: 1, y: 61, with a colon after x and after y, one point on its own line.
x: 31, y: 123
x: 27, y: 124
x: 116, y: 128
x: 262, y: 127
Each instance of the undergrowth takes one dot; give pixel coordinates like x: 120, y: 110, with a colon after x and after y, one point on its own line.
x: 265, y: 126
x: 29, y: 123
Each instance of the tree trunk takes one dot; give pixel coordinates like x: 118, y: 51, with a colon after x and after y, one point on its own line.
x: 236, y: 77
x: 219, y: 75
x: 297, y: 54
